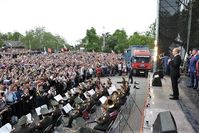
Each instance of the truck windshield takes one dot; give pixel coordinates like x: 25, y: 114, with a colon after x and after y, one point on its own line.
x: 141, y: 59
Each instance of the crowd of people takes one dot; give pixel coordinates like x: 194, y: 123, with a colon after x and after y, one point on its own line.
x: 30, y: 81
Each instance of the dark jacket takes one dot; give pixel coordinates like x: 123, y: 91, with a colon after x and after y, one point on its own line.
x: 24, y: 129
x: 56, y: 114
x: 44, y: 123
x: 175, y: 66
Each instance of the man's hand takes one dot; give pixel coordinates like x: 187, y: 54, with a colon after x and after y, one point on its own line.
x: 169, y: 60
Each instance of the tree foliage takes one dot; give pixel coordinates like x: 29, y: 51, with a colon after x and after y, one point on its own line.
x: 16, y: 36
x: 138, y: 39
x: 92, y: 41
x: 118, y: 41
x: 38, y: 38
x: 120, y: 38
x: 151, y: 32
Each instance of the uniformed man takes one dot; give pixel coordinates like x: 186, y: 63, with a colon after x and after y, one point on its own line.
x: 23, y: 127
x: 45, y: 122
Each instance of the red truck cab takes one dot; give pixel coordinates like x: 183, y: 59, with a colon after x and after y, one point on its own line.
x: 141, y: 62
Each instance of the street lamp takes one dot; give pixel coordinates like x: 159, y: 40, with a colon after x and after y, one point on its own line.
x: 104, y: 39
x: 104, y: 42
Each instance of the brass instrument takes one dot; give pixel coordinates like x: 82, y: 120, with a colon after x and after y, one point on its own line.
x: 109, y: 104
x: 76, y: 111
x: 103, y: 118
x: 120, y: 93
x: 99, y: 94
x: 116, y: 98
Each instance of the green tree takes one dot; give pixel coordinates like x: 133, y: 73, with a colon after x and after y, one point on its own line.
x: 10, y: 36
x: 152, y: 30
x: 32, y: 40
x: 16, y: 36
x: 119, y: 40
x: 137, y: 39
x: 38, y: 38
x: 91, y: 41
x: 1, y: 39
x: 111, y: 42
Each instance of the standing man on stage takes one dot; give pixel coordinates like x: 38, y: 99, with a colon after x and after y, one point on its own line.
x: 192, y: 69
x: 175, y: 72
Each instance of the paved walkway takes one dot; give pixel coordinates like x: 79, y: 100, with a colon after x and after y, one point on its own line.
x: 160, y: 102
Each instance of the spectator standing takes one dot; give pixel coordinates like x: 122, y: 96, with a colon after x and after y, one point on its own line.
x: 131, y: 76
x: 120, y: 68
x: 98, y: 72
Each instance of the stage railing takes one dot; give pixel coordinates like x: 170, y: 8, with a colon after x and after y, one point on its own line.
x: 129, y: 117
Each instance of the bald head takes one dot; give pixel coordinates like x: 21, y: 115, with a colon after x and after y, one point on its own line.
x: 175, y: 51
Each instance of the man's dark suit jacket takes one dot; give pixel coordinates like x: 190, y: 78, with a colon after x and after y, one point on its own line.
x: 175, y: 66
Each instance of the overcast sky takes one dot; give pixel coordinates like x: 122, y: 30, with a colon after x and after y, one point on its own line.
x: 71, y: 18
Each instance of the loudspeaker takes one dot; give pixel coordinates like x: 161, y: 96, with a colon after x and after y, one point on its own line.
x: 164, y: 123
x: 156, y: 80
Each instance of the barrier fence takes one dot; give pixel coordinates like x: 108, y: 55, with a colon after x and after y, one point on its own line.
x: 129, y: 118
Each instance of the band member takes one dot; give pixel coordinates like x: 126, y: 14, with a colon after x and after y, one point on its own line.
x: 90, y: 103
x: 105, y: 89
x: 103, y: 122
x: 112, y: 103
x: 27, y: 101
x: 122, y: 96
x: 23, y: 127
x: 77, y: 112
x: 56, y: 111
x: 45, y: 122
x: 4, y: 111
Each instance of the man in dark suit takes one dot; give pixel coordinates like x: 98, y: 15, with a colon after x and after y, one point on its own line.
x: 23, y: 127
x: 175, y: 72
